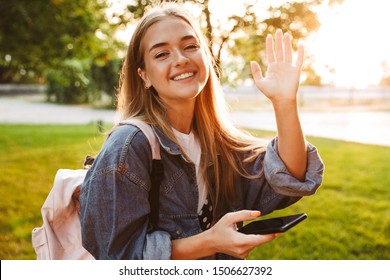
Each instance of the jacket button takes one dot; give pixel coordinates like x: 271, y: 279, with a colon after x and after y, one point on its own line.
x: 178, y: 232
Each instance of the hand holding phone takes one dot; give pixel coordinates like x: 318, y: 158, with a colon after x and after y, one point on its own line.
x: 273, y: 225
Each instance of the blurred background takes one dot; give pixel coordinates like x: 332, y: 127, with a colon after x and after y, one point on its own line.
x: 67, y: 52
x: 59, y: 68
x: 42, y: 41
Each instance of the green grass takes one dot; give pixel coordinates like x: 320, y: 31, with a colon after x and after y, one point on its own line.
x: 30, y: 155
x: 348, y: 217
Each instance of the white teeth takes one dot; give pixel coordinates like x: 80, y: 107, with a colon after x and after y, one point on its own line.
x: 183, y: 76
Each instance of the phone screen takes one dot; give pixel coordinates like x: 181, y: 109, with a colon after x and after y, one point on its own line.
x: 273, y: 225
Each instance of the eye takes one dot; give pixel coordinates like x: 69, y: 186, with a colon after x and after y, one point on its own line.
x: 190, y: 47
x: 162, y: 54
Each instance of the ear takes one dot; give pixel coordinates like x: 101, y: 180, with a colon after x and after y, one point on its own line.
x: 144, y: 77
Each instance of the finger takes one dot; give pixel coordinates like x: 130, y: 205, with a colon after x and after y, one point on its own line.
x: 243, y: 215
x: 256, y: 71
x: 263, y: 238
x: 300, y: 55
x: 255, y: 240
x: 279, y: 53
x: 287, y: 48
x: 269, y: 44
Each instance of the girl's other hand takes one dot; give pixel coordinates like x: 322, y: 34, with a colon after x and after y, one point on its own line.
x: 226, y: 239
x: 282, y: 77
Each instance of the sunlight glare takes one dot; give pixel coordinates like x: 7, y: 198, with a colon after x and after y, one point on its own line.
x: 352, y: 41
x: 349, y: 48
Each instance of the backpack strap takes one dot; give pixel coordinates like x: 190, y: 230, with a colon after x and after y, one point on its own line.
x: 157, y: 167
x: 154, y: 194
x: 149, y: 133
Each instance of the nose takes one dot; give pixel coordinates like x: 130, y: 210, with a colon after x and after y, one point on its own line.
x: 180, y: 58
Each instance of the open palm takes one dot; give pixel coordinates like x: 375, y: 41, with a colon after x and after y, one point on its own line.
x: 282, y: 77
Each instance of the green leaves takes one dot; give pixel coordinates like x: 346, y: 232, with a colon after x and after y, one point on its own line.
x: 41, y: 34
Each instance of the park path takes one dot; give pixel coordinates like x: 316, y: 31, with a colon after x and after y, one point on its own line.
x: 369, y: 127
x: 34, y: 111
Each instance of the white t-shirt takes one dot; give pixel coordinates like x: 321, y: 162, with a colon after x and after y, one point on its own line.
x: 191, y: 146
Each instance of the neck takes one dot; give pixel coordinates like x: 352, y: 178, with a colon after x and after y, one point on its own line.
x: 181, y: 117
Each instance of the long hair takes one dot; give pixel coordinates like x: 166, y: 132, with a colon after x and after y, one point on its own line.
x: 220, y: 140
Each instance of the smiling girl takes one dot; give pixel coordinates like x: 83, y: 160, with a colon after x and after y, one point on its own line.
x: 215, y: 176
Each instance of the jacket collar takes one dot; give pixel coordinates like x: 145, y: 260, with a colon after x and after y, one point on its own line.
x: 167, y: 144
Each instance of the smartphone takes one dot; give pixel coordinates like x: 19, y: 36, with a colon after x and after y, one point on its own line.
x: 273, y: 225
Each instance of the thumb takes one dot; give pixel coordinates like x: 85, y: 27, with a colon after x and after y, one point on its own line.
x: 243, y: 215
x: 256, y: 71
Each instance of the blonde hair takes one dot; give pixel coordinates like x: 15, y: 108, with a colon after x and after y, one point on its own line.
x: 219, y: 139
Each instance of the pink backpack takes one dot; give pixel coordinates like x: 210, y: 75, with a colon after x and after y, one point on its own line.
x: 59, y: 238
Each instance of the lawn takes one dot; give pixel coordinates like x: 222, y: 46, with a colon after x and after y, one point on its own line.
x: 348, y: 217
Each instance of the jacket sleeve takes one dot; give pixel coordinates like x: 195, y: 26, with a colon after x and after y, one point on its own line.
x: 114, y: 201
x: 283, y: 182
x: 275, y: 188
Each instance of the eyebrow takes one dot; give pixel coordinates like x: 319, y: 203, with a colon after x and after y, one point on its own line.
x: 155, y: 46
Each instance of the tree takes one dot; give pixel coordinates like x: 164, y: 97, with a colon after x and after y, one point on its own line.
x: 41, y: 34
x: 240, y: 38
x: 65, y: 43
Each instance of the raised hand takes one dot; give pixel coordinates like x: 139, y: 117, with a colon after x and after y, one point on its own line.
x: 281, y: 80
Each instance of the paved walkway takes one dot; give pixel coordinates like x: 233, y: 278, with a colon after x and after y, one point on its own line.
x: 19, y: 110
x: 371, y: 127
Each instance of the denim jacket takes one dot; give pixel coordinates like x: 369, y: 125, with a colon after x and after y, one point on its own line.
x: 114, y: 196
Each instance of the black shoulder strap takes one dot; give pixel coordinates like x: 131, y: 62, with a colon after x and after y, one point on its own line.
x: 154, y: 194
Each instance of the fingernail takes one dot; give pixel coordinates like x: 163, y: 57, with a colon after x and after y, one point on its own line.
x: 277, y: 234
x: 255, y: 213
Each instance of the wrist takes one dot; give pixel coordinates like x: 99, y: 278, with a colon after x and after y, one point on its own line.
x: 284, y: 108
x: 194, y: 247
x: 284, y: 103
x: 209, y: 241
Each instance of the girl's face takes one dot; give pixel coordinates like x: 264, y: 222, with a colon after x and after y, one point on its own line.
x: 175, y: 63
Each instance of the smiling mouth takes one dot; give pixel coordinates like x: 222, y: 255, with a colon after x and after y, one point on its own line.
x: 183, y: 76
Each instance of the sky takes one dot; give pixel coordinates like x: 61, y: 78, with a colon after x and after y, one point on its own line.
x: 353, y: 40
x: 351, y: 44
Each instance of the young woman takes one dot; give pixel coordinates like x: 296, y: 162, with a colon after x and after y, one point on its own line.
x: 215, y: 176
